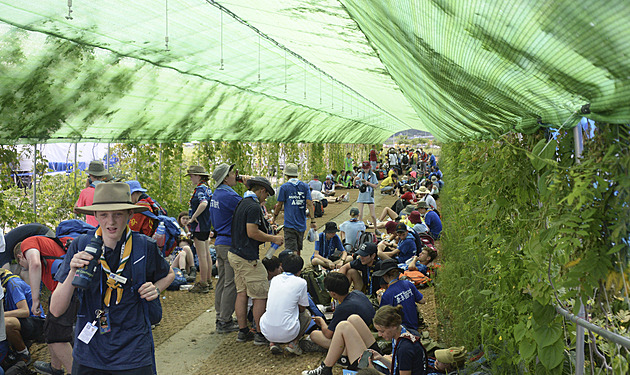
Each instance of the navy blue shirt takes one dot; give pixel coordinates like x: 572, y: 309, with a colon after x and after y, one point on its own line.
x: 326, y: 247
x: 354, y: 303
x: 409, y: 356
x: 202, y: 194
x: 293, y: 195
x: 129, y: 345
x: 407, y: 248
x: 222, y: 206
x: 248, y: 211
x: 403, y: 292
x: 372, y: 283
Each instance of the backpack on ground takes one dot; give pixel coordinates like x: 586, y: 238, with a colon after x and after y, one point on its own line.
x: 173, y: 231
x: 179, y: 280
x: 319, y: 211
x: 315, y: 286
x: 366, y: 237
x: 418, y: 279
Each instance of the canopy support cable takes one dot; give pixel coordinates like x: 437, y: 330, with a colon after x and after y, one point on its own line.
x: 166, y: 26
x: 69, y: 16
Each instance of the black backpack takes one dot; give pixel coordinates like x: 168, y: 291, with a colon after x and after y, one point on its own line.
x: 366, y: 237
x: 405, y: 159
x: 319, y: 210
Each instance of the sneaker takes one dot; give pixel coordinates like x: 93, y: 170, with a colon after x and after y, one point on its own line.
x: 307, y: 345
x: 200, y: 287
x: 259, y: 339
x: 26, y: 358
x: 243, y: 337
x: 294, y: 348
x: 321, y: 370
x: 46, y: 368
x: 227, y: 327
x: 343, y: 361
x: 275, y: 348
x: 193, y: 274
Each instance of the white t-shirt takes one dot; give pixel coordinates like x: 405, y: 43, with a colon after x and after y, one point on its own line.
x: 317, y: 195
x: 280, y: 323
x: 352, y: 229
x: 430, y: 201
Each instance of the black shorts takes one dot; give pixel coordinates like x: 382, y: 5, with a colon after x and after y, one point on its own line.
x: 201, y: 236
x: 59, y: 329
x: 31, y: 328
x: 78, y: 369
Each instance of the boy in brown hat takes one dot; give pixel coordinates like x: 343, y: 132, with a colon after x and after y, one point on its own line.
x: 115, y: 301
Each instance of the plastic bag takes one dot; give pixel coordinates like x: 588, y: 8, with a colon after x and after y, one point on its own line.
x: 312, y: 235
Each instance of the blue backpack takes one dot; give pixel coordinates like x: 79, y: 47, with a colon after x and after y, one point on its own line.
x: 179, y: 279
x: 72, y: 228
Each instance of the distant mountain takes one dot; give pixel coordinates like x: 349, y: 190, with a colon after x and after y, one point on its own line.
x: 411, y: 133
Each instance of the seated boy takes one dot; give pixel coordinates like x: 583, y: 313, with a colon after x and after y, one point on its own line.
x: 328, y: 187
x: 421, y: 261
x: 400, y: 292
x: 354, y: 302
x: 360, y: 271
x: 21, y: 324
x: 329, y: 251
x: 286, y: 317
x: 351, y: 230
x: 405, y: 249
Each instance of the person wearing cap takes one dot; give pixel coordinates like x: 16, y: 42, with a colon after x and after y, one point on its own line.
x: 250, y: 229
x: 144, y: 222
x: 96, y: 174
x: 328, y: 187
x: 366, y: 181
x: 447, y: 360
x: 399, y: 292
x: 125, y: 343
x: 222, y: 206
x: 200, y: 226
x: 405, y: 249
x: 431, y: 220
x: 435, y: 190
x: 351, y: 230
x: 294, y: 197
x: 329, y: 251
x: 360, y: 271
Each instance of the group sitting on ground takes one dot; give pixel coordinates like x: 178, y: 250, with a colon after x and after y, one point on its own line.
x: 359, y: 272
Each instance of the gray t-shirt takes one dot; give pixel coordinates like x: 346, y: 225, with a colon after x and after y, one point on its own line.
x: 352, y: 230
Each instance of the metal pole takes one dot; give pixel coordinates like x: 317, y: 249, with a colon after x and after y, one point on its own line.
x: 578, y: 142
x: 76, y: 165
x: 611, y: 336
x: 108, y: 151
x: 579, y: 329
x: 160, y: 167
x: 35, y: 179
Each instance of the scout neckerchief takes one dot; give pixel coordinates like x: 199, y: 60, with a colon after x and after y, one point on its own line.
x: 403, y: 335
x: 112, y: 284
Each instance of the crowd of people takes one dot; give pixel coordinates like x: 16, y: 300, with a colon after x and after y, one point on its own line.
x: 106, y: 274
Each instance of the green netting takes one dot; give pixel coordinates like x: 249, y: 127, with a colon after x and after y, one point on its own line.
x: 312, y: 71
x: 106, y: 74
x: 476, y: 68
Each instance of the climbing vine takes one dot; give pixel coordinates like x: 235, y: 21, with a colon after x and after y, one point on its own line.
x: 528, y: 228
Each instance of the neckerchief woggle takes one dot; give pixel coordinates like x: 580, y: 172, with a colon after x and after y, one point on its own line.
x: 112, y: 284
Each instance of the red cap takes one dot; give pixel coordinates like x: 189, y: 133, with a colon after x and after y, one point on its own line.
x: 390, y: 227
x: 366, y: 165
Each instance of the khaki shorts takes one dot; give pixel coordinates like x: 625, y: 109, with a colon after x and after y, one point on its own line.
x: 249, y: 276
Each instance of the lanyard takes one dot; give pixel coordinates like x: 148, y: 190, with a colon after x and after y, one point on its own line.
x: 395, y: 344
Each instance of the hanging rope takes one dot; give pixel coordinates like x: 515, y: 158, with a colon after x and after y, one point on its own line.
x: 221, y: 67
x: 259, y: 58
x: 285, y: 71
x: 166, y: 26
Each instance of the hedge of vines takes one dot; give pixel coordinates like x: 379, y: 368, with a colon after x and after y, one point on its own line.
x: 161, y: 169
x: 528, y: 228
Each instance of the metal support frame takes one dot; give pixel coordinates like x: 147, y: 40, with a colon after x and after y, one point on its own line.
x: 34, y: 179
x: 581, y: 322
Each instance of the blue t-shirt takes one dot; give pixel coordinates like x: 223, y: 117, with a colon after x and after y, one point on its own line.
x: 368, y: 195
x: 222, y: 206
x: 432, y: 220
x: 293, y: 195
x: 407, y: 248
x: 325, y: 247
x: 354, y: 303
x: 18, y: 290
x: 403, y: 292
x: 202, y: 194
x: 352, y: 228
x: 129, y: 345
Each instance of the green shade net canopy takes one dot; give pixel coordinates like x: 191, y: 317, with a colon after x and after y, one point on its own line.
x: 307, y: 71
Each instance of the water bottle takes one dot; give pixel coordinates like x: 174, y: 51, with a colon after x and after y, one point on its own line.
x: 160, y: 234
x: 83, y: 276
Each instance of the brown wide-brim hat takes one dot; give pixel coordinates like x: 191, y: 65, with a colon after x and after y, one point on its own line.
x: 111, y: 196
x: 198, y: 170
